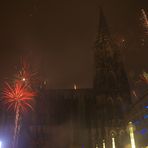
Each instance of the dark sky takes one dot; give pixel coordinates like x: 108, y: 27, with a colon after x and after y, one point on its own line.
x: 58, y: 37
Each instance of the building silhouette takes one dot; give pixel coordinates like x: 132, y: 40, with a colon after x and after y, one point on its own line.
x: 83, y: 118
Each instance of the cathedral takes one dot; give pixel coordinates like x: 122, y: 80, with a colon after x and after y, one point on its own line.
x: 83, y: 118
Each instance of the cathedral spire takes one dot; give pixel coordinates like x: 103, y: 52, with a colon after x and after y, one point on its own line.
x: 110, y: 77
x: 104, y: 53
x: 103, y: 32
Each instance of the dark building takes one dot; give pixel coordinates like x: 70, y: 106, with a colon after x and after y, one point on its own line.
x: 83, y: 118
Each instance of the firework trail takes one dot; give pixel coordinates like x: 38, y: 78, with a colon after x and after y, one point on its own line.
x: 144, y: 20
x: 18, y: 99
x: 17, y: 127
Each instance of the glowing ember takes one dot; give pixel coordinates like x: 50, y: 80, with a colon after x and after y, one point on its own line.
x: 18, y: 95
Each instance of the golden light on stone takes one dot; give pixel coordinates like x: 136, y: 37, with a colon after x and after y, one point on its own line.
x: 103, y: 143
x: 113, y: 142
x: 97, y: 146
x: 113, y: 134
x: 131, y: 129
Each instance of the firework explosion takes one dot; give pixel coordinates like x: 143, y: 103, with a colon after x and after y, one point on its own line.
x: 25, y: 75
x: 18, y: 98
x: 144, y: 20
x: 18, y: 95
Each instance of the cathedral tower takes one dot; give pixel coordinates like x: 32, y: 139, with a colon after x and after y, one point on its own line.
x: 83, y: 118
x: 111, y: 88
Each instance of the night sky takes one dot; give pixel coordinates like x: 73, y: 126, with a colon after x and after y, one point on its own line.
x: 57, y: 36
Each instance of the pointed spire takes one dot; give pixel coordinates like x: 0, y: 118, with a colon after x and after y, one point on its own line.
x: 103, y: 32
x: 103, y: 57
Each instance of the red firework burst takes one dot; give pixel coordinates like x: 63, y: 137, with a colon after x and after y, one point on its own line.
x: 18, y: 96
